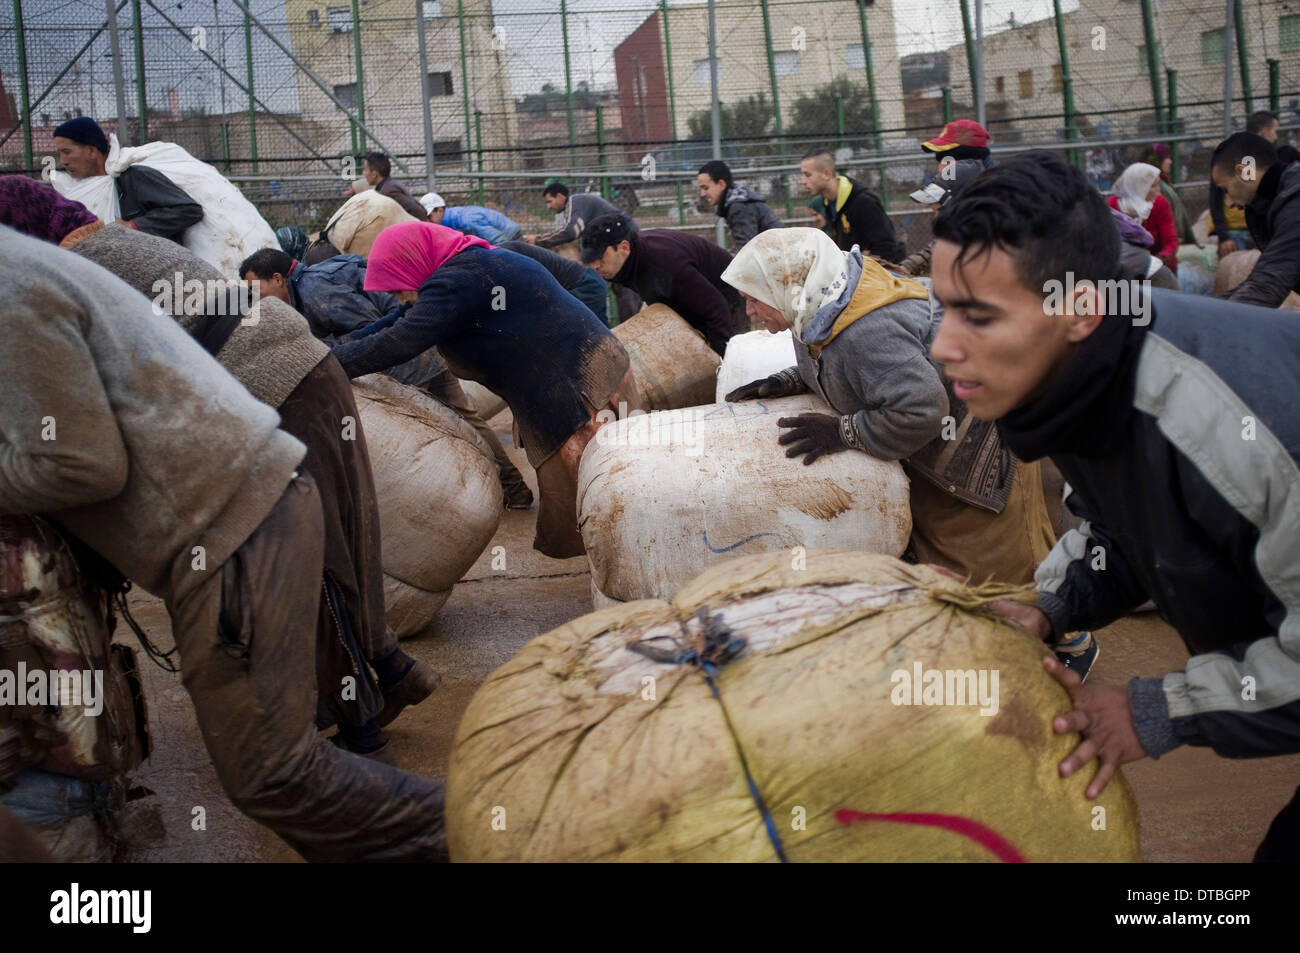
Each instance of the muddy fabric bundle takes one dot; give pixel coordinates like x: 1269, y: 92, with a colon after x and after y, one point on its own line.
x: 674, y: 365
x: 664, y: 496
x: 358, y: 222
x: 846, y: 711
x: 439, y: 496
x: 751, y: 357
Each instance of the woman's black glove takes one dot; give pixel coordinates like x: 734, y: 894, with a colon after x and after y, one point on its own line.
x: 814, y: 435
x: 785, y: 383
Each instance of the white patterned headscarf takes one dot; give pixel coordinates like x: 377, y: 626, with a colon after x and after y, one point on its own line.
x: 800, y: 272
x: 1131, y: 189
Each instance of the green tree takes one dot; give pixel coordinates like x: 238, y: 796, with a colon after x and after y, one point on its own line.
x: 813, y: 113
x: 752, y: 116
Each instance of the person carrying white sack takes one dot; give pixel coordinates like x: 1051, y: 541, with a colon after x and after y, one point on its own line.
x: 149, y: 201
x: 862, y: 337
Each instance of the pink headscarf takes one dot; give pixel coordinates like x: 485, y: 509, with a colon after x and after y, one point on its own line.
x: 405, y: 255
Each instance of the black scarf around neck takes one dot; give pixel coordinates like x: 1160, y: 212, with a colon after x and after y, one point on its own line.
x: 1086, y: 411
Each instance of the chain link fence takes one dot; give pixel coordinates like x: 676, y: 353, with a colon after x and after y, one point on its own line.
x: 486, y: 101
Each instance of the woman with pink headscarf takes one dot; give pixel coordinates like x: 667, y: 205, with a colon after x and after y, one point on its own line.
x: 501, y: 319
x: 1137, y: 195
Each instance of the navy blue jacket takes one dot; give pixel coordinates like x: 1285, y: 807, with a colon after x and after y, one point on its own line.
x: 330, y: 296
x: 502, y: 320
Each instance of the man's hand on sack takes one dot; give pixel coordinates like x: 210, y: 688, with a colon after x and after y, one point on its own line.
x: 811, y: 436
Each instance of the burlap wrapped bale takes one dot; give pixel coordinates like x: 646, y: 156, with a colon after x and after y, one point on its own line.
x: 1235, y: 267
x: 752, y: 356
x: 582, y: 749
x: 358, y: 222
x: 674, y: 365
x: 439, y: 496
x: 664, y: 496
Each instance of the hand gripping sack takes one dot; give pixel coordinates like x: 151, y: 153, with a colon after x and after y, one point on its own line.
x: 666, y: 495
x: 439, y: 496
x: 752, y: 356
x: 774, y: 713
x: 673, y: 364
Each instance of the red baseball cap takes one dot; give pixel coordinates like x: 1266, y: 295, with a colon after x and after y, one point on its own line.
x: 959, y: 132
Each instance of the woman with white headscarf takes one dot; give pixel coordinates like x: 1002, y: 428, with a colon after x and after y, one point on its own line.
x: 1137, y: 195
x: 862, y: 338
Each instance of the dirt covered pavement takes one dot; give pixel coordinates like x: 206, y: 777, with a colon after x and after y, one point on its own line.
x: 1195, y: 806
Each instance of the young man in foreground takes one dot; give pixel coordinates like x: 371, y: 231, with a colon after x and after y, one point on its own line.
x: 1172, y: 417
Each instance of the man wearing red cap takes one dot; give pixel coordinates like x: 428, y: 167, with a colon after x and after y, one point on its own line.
x: 961, y: 139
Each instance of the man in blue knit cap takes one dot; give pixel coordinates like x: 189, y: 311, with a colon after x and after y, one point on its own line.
x: 149, y: 201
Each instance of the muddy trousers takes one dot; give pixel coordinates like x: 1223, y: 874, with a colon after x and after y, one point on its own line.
x: 246, y: 632
x: 322, y: 412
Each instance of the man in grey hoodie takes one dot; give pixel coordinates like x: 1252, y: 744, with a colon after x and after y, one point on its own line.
x: 131, y: 437
x: 746, y: 213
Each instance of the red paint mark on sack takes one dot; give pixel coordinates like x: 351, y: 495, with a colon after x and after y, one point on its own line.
x: 986, y: 837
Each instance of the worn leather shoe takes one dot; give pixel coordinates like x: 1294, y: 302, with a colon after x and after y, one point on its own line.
x: 412, y: 688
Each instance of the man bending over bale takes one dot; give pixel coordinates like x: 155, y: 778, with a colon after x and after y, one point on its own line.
x: 508, y: 324
x: 165, y: 466
x: 275, y: 356
x: 332, y: 297
x: 1172, y: 417
x: 861, y: 335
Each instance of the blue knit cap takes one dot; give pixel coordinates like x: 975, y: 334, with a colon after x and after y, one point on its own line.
x: 84, y: 130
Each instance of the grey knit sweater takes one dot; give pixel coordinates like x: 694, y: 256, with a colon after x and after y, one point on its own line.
x: 119, y: 425
x: 269, y: 357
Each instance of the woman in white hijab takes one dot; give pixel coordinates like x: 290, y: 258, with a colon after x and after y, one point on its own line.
x: 862, y: 337
x: 1137, y: 195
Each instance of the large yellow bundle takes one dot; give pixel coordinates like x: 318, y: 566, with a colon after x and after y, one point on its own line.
x: 590, y: 745
x: 674, y: 365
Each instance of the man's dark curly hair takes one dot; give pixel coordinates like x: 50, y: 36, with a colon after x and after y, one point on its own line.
x: 1041, y: 211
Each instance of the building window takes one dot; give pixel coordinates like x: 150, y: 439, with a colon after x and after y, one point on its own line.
x: 432, y: 9
x: 1288, y: 33
x: 347, y: 94
x: 313, y: 18
x: 440, y: 84
x: 1000, y: 85
x: 340, y: 19
x: 853, y: 58
x: 1026, y: 84
x: 1212, y: 46
x: 787, y: 63
x: 1058, y: 80
x: 701, y: 71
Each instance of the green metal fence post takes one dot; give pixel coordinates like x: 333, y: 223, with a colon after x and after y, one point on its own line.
x: 142, y: 109
x: 356, y: 48
x: 672, y: 107
x: 947, y: 105
x: 1274, y: 84
x: 1242, y: 59
x: 568, y: 84
x: 776, y: 96
x: 600, y: 149
x: 24, y: 93
x: 252, y: 105
x: 464, y: 80
x: 1067, y: 84
x: 478, y: 144
x: 1171, y: 81
x: 969, y: 33
x: 839, y: 121
x: 1153, y: 63
x: 875, y: 105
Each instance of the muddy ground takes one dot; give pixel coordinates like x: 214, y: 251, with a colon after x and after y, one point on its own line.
x: 1195, y: 806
